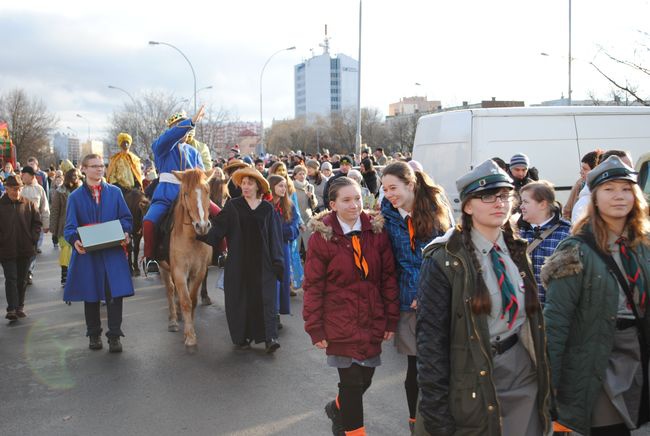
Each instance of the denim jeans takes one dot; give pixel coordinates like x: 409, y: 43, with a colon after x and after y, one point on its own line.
x: 15, y: 271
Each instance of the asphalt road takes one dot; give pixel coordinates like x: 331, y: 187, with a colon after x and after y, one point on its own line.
x: 52, y: 384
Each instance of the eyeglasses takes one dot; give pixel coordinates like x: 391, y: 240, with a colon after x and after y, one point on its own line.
x: 95, y: 167
x: 492, y: 198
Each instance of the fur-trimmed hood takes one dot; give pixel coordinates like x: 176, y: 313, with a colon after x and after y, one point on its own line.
x: 563, y: 263
x: 326, y: 223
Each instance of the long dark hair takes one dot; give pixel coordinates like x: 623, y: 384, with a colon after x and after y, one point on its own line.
x: 286, y: 206
x: 427, y: 220
x: 481, y: 302
x: 67, y: 179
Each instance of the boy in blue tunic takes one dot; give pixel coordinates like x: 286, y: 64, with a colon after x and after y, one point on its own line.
x: 89, y: 279
x: 171, y: 153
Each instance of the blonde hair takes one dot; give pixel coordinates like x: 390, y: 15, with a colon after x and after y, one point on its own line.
x: 637, y: 224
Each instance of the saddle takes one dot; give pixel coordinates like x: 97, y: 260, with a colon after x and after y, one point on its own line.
x: 163, y: 235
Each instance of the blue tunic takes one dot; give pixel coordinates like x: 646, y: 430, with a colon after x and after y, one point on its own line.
x: 89, y: 273
x: 170, y: 154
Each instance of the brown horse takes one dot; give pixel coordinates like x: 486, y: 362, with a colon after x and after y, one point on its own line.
x: 188, y: 257
x: 138, y: 204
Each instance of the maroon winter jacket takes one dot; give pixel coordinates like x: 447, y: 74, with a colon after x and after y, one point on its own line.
x: 351, y: 313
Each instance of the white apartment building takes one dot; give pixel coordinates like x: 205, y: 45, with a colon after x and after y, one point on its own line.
x: 66, y: 146
x: 324, y: 85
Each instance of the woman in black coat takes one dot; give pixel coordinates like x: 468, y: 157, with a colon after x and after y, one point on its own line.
x: 255, y: 261
x: 369, y: 176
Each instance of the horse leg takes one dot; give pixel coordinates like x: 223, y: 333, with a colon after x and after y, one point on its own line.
x: 172, y: 325
x: 180, y: 281
x: 205, y: 298
x: 135, y: 240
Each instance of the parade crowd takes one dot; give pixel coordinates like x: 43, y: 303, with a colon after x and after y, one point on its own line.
x: 518, y: 316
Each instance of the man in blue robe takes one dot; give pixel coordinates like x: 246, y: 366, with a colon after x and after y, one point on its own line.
x: 171, y: 153
x: 101, y: 275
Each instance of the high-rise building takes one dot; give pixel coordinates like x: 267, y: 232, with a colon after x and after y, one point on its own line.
x: 66, y: 146
x: 324, y: 85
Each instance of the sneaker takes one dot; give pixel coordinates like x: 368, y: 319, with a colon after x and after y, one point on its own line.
x: 151, y: 266
x: 95, y: 343
x: 30, y: 278
x: 246, y: 345
x: 11, y: 315
x: 20, y: 313
x: 334, y: 414
x: 38, y: 251
x: 114, y: 344
x: 272, y: 346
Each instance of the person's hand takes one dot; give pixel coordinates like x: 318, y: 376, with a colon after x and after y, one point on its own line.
x: 79, y: 247
x: 414, y: 304
x: 199, y: 115
x: 127, y: 238
x: 322, y: 344
x: 388, y: 336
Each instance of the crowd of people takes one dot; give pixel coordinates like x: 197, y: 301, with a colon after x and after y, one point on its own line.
x: 515, y: 314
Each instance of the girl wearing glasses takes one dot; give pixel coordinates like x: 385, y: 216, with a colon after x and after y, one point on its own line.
x: 597, y: 284
x: 482, y: 366
x: 351, y: 299
x: 416, y: 211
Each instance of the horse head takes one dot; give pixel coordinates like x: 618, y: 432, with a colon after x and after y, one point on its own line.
x: 194, y: 196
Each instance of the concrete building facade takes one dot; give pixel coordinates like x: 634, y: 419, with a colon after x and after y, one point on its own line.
x: 324, y: 84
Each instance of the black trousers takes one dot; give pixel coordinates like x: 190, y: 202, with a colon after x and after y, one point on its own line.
x: 15, y: 271
x: 355, y: 381
x: 114, y: 312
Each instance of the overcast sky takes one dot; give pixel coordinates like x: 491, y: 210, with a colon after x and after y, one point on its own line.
x: 68, y: 52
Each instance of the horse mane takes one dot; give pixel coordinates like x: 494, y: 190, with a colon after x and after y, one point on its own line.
x: 192, y: 179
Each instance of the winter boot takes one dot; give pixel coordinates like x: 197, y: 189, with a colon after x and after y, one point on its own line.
x: 114, y: 344
x: 95, y: 343
x: 333, y: 413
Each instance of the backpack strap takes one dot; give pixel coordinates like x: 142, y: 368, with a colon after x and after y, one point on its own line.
x: 545, y: 234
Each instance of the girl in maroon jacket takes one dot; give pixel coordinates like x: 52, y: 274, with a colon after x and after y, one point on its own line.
x: 351, y: 299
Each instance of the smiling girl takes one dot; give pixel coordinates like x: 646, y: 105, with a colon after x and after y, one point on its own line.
x: 597, y: 308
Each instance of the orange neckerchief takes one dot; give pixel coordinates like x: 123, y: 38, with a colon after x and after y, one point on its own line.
x: 409, y: 224
x: 359, y: 260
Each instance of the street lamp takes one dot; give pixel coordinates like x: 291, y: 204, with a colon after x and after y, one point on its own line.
x: 261, y: 112
x: 73, y: 131
x: 135, y: 113
x: 86, y: 120
x: 188, y: 61
x: 358, y: 137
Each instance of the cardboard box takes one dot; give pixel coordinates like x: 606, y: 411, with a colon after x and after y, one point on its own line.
x: 101, y: 236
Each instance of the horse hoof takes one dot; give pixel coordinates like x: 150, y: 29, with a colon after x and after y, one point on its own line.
x: 191, y: 349
x: 136, y: 273
x: 205, y: 301
x: 172, y: 327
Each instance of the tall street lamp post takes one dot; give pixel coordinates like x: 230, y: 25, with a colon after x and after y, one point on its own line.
x: 261, y: 150
x: 358, y: 137
x: 188, y: 61
x: 88, y: 122
x: 135, y: 113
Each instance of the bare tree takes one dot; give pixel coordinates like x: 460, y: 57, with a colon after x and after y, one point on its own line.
x: 147, y: 118
x: 402, y: 132
x: 30, y: 125
x: 633, y: 66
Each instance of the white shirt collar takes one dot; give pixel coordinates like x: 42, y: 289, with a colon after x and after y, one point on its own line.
x: 544, y: 223
x: 346, y: 229
x: 403, y: 213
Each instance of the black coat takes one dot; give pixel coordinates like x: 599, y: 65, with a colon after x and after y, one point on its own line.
x: 372, y: 181
x: 228, y: 224
x: 20, y: 226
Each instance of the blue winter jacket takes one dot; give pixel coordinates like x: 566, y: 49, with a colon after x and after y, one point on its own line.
x: 89, y: 273
x: 406, y: 261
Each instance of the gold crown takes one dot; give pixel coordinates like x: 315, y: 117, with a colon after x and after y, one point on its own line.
x: 176, y: 117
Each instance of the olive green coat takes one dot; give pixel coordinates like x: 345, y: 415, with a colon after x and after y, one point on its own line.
x: 580, y: 312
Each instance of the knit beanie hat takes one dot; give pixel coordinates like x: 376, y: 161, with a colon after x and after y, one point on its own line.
x: 519, y: 159
x: 326, y: 166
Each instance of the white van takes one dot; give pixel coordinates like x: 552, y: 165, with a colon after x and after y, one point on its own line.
x: 449, y: 144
